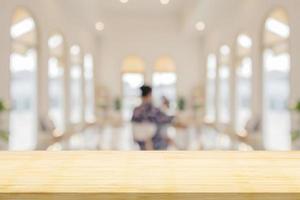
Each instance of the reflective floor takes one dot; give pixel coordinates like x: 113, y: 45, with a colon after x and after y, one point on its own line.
x: 109, y: 138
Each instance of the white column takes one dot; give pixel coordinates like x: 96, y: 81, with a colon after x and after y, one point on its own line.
x: 42, y: 83
x: 295, y: 57
x: 83, y: 89
x: 43, y: 59
x: 257, y: 78
x: 232, y: 90
x: 67, y: 79
x: 295, y: 64
x: 5, y: 48
x: 217, y: 95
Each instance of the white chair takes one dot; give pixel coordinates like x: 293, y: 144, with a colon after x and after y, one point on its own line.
x: 144, y: 132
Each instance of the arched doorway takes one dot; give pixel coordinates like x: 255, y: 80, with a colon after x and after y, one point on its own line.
x: 76, y: 92
x: 56, y: 92
x: 276, y: 82
x: 211, y: 75
x: 89, y: 88
x: 164, y: 84
x: 224, y: 85
x: 243, y: 83
x: 133, y: 70
x: 23, y: 81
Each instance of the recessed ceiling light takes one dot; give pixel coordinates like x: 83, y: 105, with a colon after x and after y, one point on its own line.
x: 164, y: 2
x: 75, y: 50
x: 225, y: 50
x: 124, y: 1
x: 99, y: 26
x: 200, y: 26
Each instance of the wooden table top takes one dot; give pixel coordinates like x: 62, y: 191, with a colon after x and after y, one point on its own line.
x: 144, y: 175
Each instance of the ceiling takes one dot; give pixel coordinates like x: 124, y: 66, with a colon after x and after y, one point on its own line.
x: 91, y: 11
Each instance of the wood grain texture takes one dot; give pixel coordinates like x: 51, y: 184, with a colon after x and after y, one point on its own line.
x: 150, y: 175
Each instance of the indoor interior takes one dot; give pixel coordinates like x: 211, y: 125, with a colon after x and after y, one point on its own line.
x: 226, y: 73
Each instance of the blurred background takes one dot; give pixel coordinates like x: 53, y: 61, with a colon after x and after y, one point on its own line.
x: 70, y: 73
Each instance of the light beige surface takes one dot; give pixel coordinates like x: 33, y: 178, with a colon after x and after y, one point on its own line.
x: 143, y: 175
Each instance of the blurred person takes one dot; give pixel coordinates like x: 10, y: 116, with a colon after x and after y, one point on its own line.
x: 148, y: 113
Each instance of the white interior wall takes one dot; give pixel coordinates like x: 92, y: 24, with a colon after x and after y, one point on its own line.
x: 149, y: 39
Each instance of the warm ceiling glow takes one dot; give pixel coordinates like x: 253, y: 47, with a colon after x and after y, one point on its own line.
x: 164, y: 2
x: 75, y: 50
x: 99, y: 26
x: 200, y: 26
x: 225, y: 50
x: 124, y: 1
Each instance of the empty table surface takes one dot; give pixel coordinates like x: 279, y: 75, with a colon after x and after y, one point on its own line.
x: 149, y: 175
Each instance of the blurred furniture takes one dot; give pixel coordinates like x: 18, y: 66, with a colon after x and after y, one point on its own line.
x: 144, y: 132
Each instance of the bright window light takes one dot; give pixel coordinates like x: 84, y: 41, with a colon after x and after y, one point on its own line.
x: 164, y: 2
x: 22, y: 27
x: 133, y: 80
x: 225, y: 50
x: 89, y: 88
x: 124, y: 1
x: 131, y: 93
x: 55, y: 41
x: 245, y: 41
x: 278, y: 28
x: 210, y: 110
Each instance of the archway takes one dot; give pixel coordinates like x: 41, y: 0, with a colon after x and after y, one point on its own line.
x: 56, y: 70
x: 224, y: 85
x: 76, y: 92
x: 23, y: 81
x: 243, y: 83
x: 133, y: 70
x: 276, y: 82
x: 211, y: 75
x: 89, y: 88
x: 164, y: 84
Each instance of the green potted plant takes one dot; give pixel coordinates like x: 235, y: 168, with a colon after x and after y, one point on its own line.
x: 3, y: 132
x: 296, y: 133
x: 2, y: 106
x: 181, y: 104
x: 118, y: 104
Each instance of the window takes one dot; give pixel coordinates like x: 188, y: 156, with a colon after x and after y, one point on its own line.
x: 224, y: 86
x: 23, y: 90
x: 56, y: 82
x: 164, y: 84
x: 211, y: 74
x: 76, y: 86
x: 131, y: 93
x: 132, y: 80
x: 244, y: 94
x: 276, y: 119
x: 89, y: 88
x: 243, y: 84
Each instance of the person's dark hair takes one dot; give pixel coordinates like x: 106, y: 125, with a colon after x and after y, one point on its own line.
x: 146, y: 90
